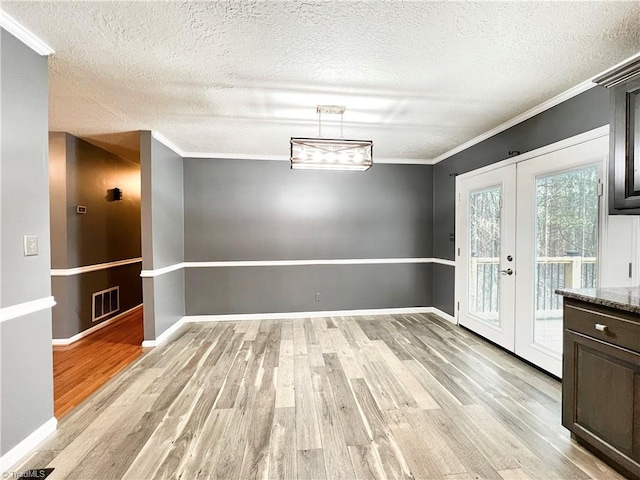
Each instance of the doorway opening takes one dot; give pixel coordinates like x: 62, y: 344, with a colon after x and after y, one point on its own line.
x: 96, y: 259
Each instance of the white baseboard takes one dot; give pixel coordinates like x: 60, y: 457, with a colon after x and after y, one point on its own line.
x: 325, y: 313
x: 443, y: 315
x: 89, y: 331
x: 14, y: 455
x: 164, y: 336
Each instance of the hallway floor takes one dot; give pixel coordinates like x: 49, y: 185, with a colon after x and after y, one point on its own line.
x: 401, y: 396
x: 83, y: 367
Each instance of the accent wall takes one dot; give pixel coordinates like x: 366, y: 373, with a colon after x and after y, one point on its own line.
x: 258, y: 210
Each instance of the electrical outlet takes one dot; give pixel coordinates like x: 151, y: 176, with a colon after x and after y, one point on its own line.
x: 317, y: 297
x: 30, y: 245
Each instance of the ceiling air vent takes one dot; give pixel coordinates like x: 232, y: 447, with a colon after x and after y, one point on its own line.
x: 105, y: 303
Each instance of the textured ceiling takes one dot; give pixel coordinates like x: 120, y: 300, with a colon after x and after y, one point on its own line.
x: 241, y: 77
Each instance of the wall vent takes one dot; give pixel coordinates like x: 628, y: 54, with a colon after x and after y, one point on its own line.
x: 105, y: 303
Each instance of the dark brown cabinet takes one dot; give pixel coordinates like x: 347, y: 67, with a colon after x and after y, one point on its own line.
x: 601, y: 381
x: 624, y: 157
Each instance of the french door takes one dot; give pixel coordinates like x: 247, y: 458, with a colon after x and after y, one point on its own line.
x: 525, y: 230
x: 487, y: 212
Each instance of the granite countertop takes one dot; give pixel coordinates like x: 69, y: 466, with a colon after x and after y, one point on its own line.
x: 622, y: 298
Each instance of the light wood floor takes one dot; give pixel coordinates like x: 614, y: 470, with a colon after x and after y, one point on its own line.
x: 84, y: 366
x: 402, y: 396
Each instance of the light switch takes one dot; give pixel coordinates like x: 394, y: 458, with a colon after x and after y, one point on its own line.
x: 30, y: 245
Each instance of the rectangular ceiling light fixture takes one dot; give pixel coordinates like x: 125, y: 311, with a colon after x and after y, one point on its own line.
x: 331, y: 153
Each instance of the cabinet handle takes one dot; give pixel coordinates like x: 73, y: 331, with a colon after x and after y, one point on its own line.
x: 600, y: 327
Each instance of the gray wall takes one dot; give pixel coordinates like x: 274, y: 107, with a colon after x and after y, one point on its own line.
x: 263, y: 210
x: 292, y: 288
x: 73, y: 294
x: 26, y: 370
x: 579, y: 114
x: 164, y: 302
x: 162, y: 234
x: 83, y: 174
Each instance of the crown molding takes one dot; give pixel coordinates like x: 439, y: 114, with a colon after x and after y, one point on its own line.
x: 404, y: 161
x: 167, y: 143
x: 27, y: 37
x: 236, y: 156
x: 619, y: 69
x: 584, y: 137
x: 619, y: 73
x: 277, y: 158
x: 564, y: 96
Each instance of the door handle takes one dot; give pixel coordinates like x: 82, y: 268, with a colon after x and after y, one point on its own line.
x: 508, y: 271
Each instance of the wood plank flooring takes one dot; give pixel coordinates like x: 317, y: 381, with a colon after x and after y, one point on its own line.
x: 401, y: 396
x: 84, y: 366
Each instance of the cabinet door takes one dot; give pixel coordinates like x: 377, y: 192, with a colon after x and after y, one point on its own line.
x: 602, y: 403
x: 624, y: 170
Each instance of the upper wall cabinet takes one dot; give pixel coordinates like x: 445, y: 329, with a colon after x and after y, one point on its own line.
x: 624, y: 159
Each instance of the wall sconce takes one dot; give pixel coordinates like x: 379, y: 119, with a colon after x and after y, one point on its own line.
x: 115, y: 194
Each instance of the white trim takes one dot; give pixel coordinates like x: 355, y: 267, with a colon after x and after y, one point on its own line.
x: 324, y: 313
x: 443, y: 261
x: 164, y: 336
x: 278, y: 158
x: 444, y: 315
x: 280, y: 263
x: 624, y: 62
x: 167, y: 143
x: 27, y: 37
x: 161, y: 271
x: 552, y: 102
x: 26, y: 308
x: 289, y: 263
x: 68, y: 341
x: 66, y: 272
x: 404, y: 161
x: 236, y: 156
x: 553, y: 147
x: 14, y: 455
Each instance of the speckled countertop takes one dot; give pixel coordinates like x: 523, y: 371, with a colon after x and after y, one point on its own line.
x: 622, y: 298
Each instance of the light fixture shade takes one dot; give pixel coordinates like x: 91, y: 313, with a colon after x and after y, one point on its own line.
x: 331, y: 154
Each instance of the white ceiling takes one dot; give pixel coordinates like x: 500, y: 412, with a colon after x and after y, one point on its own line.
x: 242, y: 77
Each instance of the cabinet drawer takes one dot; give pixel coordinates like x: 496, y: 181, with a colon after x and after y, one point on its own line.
x: 609, y: 328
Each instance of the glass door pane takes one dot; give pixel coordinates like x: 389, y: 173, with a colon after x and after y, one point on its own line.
x: 484, y: 254
x: 566, y: 246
